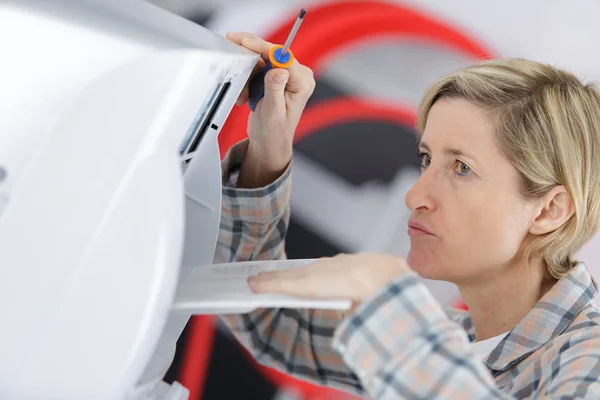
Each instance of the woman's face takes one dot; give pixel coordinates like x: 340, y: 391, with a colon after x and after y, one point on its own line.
x: 467, y: 217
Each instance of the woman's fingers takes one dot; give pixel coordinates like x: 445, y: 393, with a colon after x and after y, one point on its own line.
x: 251, y: 42
x: 313, y: 280
x: 300, y: 84
x: 290, y: 282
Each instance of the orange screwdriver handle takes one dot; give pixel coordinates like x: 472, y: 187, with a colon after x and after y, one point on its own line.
x: 256, y: 87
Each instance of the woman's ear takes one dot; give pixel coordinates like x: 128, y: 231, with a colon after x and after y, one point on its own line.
x: 554, y: 209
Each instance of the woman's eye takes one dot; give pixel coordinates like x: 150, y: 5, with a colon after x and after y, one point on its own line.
x: 463, y: 169
x: 425, y: 160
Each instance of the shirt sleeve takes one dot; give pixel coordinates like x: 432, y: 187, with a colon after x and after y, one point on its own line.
x: 402, y: 345
x: 254, y: 224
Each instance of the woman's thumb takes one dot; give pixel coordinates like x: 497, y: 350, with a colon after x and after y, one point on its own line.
x: 275, y: 81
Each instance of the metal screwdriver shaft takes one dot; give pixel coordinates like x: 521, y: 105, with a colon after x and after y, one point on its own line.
x: 279, y: 57
x: 292, y: 34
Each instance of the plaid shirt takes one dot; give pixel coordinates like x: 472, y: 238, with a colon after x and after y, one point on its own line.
x: 401, y: 343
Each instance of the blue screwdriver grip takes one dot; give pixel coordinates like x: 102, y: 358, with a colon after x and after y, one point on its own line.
x: 256, y: 88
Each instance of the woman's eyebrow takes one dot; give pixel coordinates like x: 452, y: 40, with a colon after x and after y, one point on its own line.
x: 457, y: 153
x: 448, y: 151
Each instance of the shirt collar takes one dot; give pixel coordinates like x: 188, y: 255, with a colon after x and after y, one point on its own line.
x: 548, y: 319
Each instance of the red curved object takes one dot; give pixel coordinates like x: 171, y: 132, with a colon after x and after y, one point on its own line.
x: 346, y: 109
x: 333, y: 27
x: 198, y: 349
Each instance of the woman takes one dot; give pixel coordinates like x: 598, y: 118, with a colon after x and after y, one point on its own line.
x: 510, y: 189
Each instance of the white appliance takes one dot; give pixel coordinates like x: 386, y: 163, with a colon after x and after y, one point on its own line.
x: 110, y: 190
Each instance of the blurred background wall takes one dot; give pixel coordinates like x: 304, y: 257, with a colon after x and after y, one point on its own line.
x: 355, y: 153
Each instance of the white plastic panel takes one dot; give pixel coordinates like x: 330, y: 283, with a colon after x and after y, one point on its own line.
x: 92, y: 239
x: 3, y: 202
x: 90, y: 253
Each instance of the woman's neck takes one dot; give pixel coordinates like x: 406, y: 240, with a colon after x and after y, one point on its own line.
x: 499, y: 301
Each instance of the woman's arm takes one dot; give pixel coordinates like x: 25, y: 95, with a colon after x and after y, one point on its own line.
x: 254, y: 224
x: 402, y: 344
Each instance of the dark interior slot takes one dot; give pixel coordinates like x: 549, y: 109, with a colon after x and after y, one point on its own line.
x: 207, y: 121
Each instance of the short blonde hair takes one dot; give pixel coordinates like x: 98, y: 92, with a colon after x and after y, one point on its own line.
x: 548, y: 126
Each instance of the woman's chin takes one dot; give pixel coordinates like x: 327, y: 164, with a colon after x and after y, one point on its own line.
x: 428, y: 267
x: 423, y: 266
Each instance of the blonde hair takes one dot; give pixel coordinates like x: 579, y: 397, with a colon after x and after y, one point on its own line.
x: 548, y: 126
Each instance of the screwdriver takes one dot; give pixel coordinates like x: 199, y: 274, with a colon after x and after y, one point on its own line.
x: 279, y: 57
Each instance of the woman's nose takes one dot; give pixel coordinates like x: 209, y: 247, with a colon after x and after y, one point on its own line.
x: 419, y: 197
